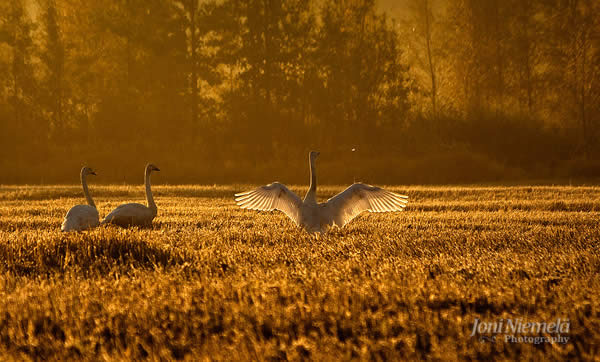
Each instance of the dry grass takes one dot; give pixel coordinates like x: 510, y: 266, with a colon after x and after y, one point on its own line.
x: 216, y: 281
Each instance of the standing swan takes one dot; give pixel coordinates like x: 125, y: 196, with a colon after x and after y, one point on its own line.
x: 82, y: 217
x: 314, y: 217
x: 135, y: 214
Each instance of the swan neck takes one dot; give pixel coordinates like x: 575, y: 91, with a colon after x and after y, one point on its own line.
x: 312, y: 191
x: 86, y: 191
x: 149, y: 197
x: 313, y: 176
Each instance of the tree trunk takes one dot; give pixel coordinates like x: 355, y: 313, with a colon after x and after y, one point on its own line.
x: 194, y: 62
x: 430, y: 58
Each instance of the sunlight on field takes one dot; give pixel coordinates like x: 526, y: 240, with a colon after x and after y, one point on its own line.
x: 213, y: 280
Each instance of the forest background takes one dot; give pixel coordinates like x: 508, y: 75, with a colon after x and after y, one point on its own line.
x: 424, y: 91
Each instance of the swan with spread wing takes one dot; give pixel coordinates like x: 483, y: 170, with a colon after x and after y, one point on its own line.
x: 318, y: 217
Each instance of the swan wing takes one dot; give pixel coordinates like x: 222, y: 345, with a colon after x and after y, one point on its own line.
x: 274, y: 196
x: 348, y: 204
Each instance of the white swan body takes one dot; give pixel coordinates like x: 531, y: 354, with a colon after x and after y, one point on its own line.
x: 318, y: 217
x: 82, y: 217
x: 136, y: 214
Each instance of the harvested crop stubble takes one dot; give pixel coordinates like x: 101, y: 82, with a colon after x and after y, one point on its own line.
x: 213, y: 280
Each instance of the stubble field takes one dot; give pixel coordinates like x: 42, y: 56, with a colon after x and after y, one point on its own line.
x: 212, y: 280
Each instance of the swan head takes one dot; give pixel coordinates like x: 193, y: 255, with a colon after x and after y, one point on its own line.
x: 87, y: 171
x: 313, y: 155
x: 151, y: 167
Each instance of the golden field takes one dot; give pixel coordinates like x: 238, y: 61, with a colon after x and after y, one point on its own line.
x: 213, y: 281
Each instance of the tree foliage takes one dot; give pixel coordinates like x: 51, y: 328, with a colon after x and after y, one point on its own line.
x: 246, y: 86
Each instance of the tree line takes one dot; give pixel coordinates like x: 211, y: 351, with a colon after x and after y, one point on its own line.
x: 240, y: 90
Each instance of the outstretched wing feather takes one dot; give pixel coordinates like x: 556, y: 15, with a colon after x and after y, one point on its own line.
x: 275, y: 196
x: 358, y: 198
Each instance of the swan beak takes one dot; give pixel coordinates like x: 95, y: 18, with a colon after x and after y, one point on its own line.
x: 156, y: 169
x: 93, y: 173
